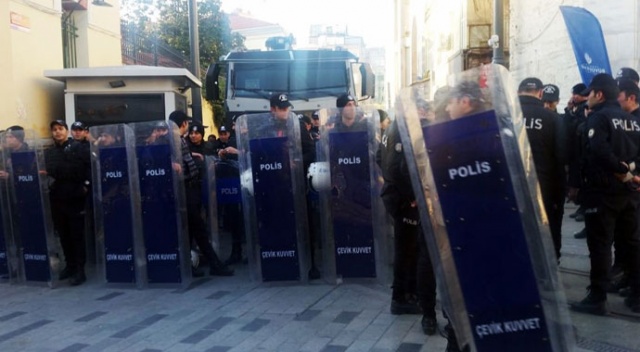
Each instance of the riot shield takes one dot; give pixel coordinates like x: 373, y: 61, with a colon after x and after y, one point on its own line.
x: 33, y: 233
x: 119, y: 243
x: 228, y: 197
x: 210, y: 193
x: 477, y: 193
x: 162, y: 201
x: 7, y: 247
x: 273, y: 197
x: 352, y: 216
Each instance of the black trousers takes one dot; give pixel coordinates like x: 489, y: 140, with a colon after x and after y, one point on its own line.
x: 553, y: 201
x: 604, y: 217
x: 68, y: 222
x: 412, y: 269
x: 197, y: 229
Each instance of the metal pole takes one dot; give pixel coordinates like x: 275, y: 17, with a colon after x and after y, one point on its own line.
x: 498, y: 24
x: 194, y: 40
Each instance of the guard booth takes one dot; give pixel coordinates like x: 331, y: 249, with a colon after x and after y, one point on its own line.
x: 477, y: 192
x: 353, y: 219
x: 36, y: 249
x: 273, y: 197
x: 120, y: 249
x: 163, y: 204
x: 123, y: 94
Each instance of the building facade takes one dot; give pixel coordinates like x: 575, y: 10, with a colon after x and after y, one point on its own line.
x: 32, y: 41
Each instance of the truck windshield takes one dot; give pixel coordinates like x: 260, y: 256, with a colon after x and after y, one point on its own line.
x: 302, y: 80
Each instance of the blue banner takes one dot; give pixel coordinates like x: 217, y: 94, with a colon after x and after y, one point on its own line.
x: 30, y: 216
x: 159, y: 214
x: 275, y: 209
x: 351, y: 204
x: 587, y: 41
x: 117, y: 215
x: 486, y: 235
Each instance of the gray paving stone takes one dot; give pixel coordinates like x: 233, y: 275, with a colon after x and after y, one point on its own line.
x: 11, y: 316
x: 74, y: 348
x: 218, y: 295
x: 345, y: 317
x: 316, y: 344
x: 219, y: 349
x: 90, y: 316
x: 308, y: 315
x: 409, y: 347
x: 109, y: 296
x: 24, y: 330
x: 255, y: 325
x: 361, y: 346
x: 334, y: 348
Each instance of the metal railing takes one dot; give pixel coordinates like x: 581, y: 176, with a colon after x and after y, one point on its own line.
x: 138, y: 49
x: 69, y: 35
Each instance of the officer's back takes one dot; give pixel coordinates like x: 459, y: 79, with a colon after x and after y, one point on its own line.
x: 544, y: 132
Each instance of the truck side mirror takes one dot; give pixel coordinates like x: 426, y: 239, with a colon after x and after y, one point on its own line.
x: 368, y: 80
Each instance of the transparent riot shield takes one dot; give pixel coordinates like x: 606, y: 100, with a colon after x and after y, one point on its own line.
x: 33, y: 235
x: 477, y: 193
x: 353, y: 221
x: 119, y: 242
x: 7, y: 270
x: 273, y: 197
x: 163, y: 205
x: 210, y: 194
x: 228, y: 197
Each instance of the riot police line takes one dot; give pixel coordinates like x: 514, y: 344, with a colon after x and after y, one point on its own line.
x: 141, y: 233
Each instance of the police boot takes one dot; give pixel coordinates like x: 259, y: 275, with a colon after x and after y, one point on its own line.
x: 78, y: 278
x: 580, y: 234
x: 217, y: 268
x: 633, y: 302
x: 595, y: 303
x: 235, y: 257
x: 429, y: 324
x: 405, y: 304
x: 66, y: 273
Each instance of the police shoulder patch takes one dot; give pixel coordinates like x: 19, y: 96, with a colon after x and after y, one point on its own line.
x: 398, y: 147
x: 591, y: 133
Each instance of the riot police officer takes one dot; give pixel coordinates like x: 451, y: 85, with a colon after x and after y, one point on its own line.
x: 412, y: 268
x: 193, y: 190
x: 611, y: 204
x: 67, y: 192
x: 197, y: 144
x: 546, y: 139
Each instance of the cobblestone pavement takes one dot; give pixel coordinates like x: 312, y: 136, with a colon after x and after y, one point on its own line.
x: 234, y: 314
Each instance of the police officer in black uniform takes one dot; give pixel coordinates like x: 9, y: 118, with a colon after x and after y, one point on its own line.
x: 610, y: 203
x: 348, y: 118
x: 193, y: 190
x: 628, y: 99
x: 80, y: 134
x: 545, y: 133
x: 67, y: 191
x: 197, y: 144
x: 576, y: 121
x: 413, y: 272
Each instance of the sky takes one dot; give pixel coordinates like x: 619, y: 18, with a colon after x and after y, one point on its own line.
x: 371, y: 19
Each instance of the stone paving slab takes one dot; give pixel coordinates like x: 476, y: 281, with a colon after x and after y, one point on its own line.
x: 235, y: 314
